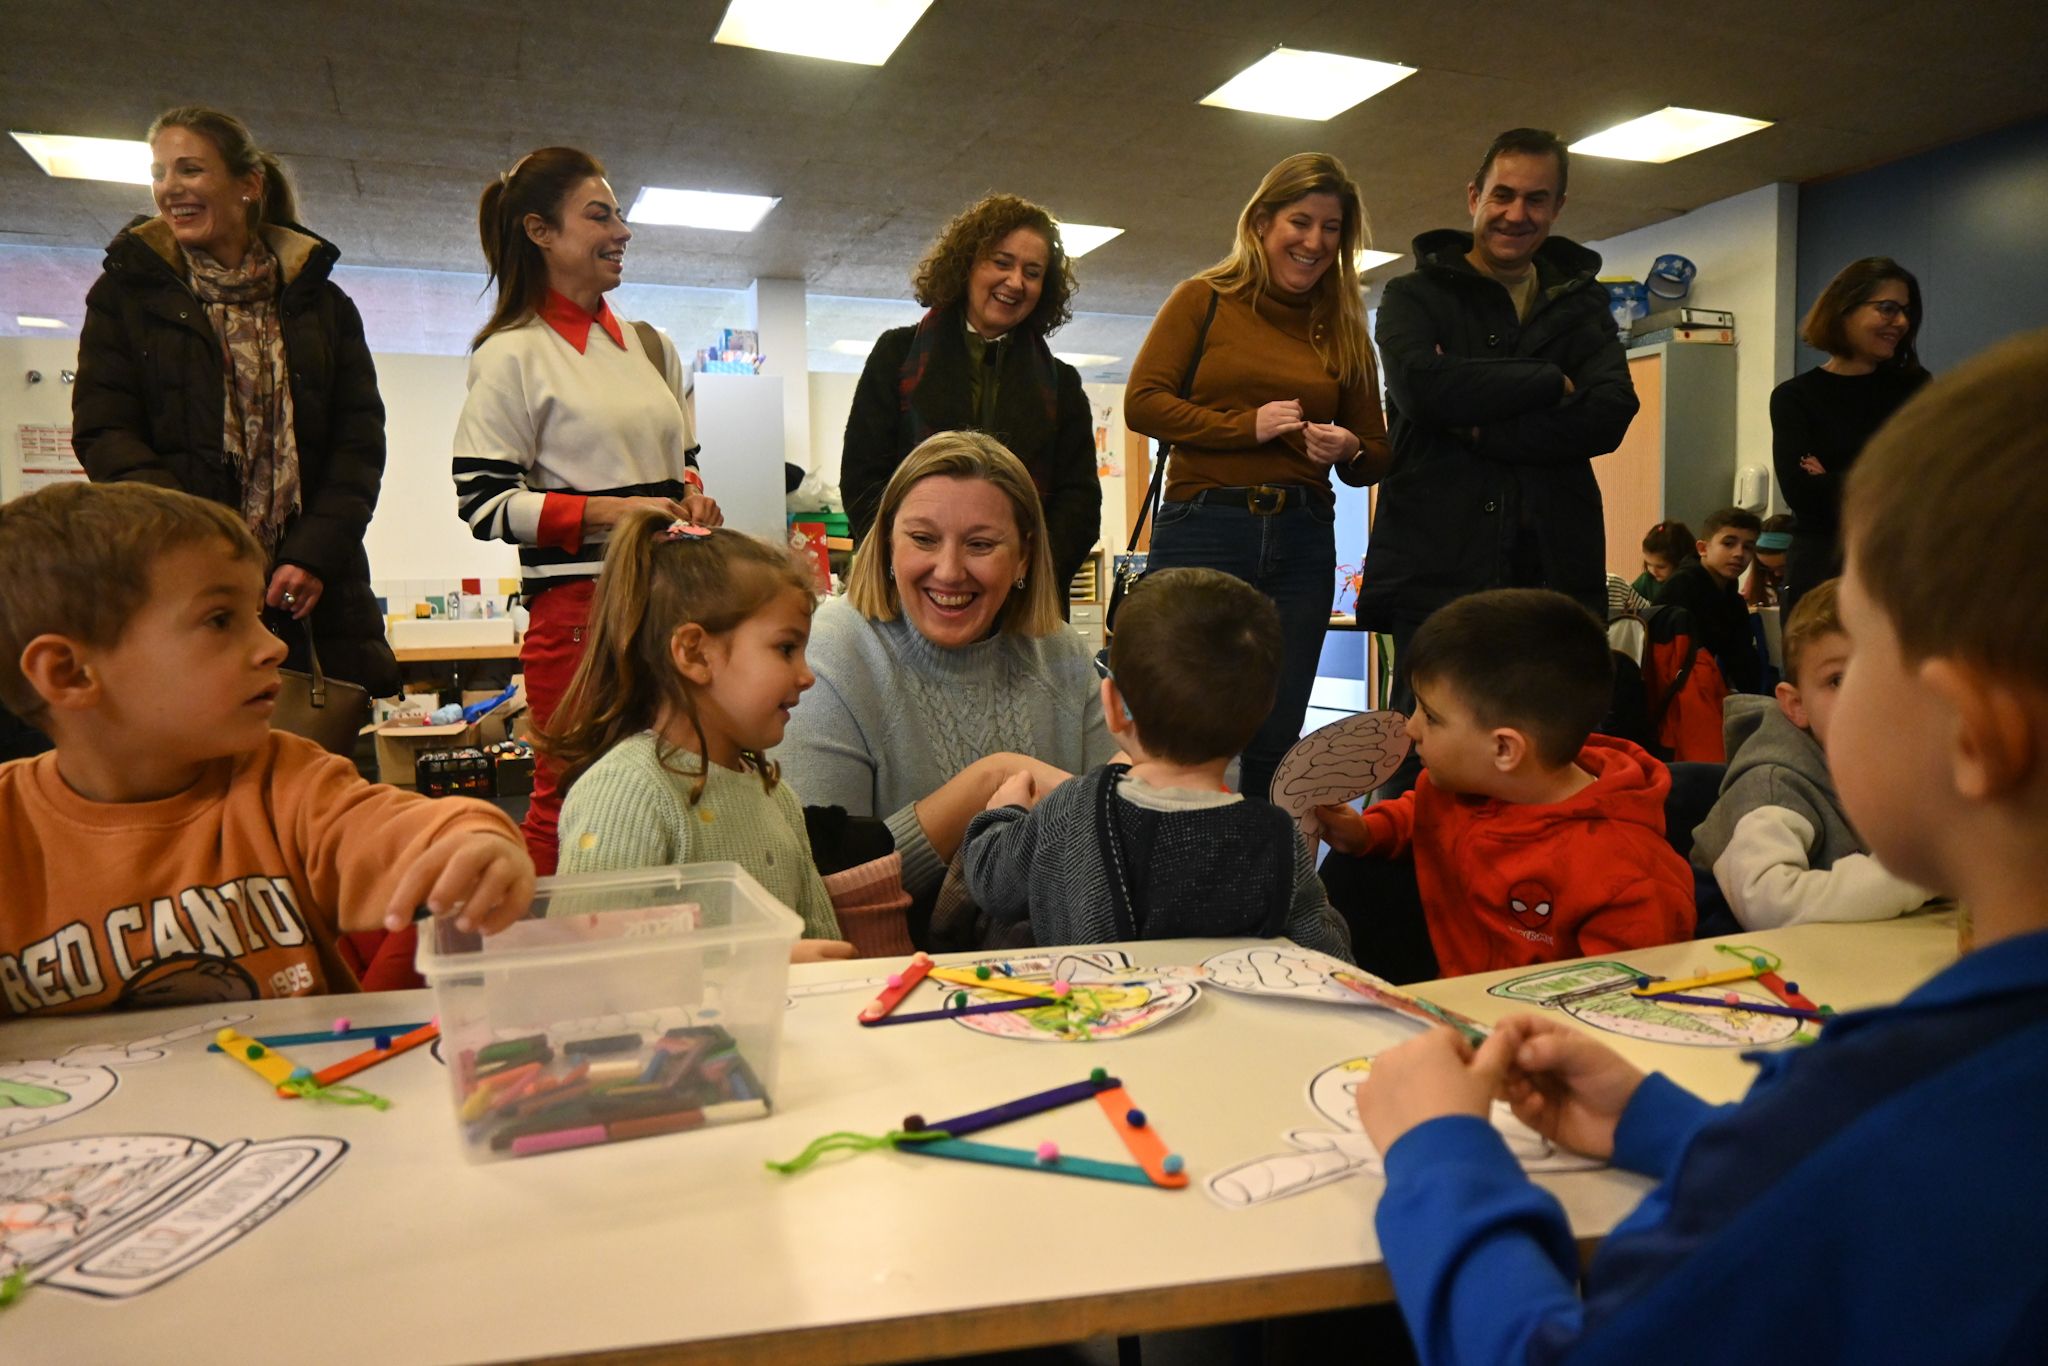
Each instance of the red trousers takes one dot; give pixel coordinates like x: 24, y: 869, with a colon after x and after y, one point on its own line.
x: 549, y: 654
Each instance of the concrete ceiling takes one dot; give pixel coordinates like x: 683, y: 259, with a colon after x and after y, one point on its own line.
x: 391, y: 116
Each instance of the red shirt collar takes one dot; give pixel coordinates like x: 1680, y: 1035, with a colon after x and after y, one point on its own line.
x: 562, y: 314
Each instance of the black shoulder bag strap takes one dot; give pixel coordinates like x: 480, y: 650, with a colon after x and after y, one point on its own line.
x: 1113, y: 859
x: 1126, y: 578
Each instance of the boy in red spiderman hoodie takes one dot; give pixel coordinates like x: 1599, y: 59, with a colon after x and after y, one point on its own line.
x: 1533, y: 838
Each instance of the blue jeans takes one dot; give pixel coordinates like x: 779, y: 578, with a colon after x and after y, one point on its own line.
x: 1290, y: 556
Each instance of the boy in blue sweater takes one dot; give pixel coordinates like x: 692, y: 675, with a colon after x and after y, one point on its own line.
x: 1878, y: 1196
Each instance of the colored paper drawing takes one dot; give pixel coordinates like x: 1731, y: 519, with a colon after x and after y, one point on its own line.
x: 1598, y: 993
x: 1302, y: 974
x: 1341, y: 761
x: 1117, y: 1009
x: 115, y: 1215
x: 1318, y: 1157
x: 35, y: 1092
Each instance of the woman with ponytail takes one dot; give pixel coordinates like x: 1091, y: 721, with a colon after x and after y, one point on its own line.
x: 218, y: 358
x: 575, y: 419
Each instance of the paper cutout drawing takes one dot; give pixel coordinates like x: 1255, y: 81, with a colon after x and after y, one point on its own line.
x: 35, y: 1092
x: 1124, y: 1009
x: 115, y: 1215
x: 1302, y: 974
x: 1321, y: 1156
x: 1598, y: 993
x: 1341, y: 761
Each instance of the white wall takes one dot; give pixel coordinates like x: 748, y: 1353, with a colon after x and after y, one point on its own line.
x: 1746, y: 249
x: 415, y: 534
x: 47, y: 404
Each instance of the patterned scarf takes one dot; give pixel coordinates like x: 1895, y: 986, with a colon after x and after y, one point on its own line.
x: 257, y: 428
x: 932, y: 391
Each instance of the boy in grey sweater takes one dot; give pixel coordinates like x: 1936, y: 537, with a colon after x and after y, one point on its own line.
x: 1160, y: 848
x: 1777, y: 841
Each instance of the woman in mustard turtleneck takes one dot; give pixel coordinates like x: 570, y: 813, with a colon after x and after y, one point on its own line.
x: 1283, y: 391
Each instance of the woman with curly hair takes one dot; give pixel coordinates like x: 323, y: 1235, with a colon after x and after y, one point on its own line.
x: 997, y: 283
x: 1284, y: 392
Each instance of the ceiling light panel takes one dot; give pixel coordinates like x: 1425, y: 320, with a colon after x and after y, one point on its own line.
x: 1369, y: 259
x: 121, y: 160
x: 1081, y: 238
x: 1296, y: 84
x: 1667, y: 135
x: 26, y: 320
x: 700, y: 209
x: 861, y: 31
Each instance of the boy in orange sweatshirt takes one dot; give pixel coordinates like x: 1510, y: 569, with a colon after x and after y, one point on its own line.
x: 173, y: 848
x: 1534, y: 839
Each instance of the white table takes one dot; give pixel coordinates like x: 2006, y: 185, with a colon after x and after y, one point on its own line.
x: 686, y: 1248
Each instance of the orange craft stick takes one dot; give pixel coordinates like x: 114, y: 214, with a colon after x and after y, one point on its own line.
x: 1142, y: 1139
x: 348, y: 1067
x: 899, y: 986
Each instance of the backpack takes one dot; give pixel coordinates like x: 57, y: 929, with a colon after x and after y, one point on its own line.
x: 1684, y: 687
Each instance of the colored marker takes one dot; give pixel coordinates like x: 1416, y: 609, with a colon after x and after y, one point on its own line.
x: 900, y: 984
x: 1754, y: 1007
x: 1414, y: 1007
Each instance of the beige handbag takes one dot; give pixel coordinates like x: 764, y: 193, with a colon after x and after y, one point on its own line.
x: 327, y: 711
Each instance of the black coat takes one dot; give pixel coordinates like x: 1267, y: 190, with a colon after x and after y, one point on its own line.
x: 1062, y: 464
x: 1456, y: 358
x: 150, y: 399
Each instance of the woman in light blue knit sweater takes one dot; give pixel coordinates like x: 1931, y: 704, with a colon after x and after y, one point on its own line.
x: 946, y: 668
x: 694, y: 661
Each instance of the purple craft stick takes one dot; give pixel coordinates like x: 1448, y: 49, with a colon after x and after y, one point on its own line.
x: 1019, y: 1003
x: 1017, y: 1109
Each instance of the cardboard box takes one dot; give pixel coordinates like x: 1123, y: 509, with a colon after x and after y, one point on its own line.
x: 399, y: 743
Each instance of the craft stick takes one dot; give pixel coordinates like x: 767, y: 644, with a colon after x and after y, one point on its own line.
x: 1661, y: 985
x: 954, y: 1012
x: 1754, y: 1007
x: 892, y: 996
x: 1779, y: 988
x: 325, y: 1036
x: 1027, y: 1159
x: 1017, y: 1109
x: 348, y: 1067
x: 272, y: 1066
x: 1009, y: 986
x: 1414, y: 1007
x: 1142, y: 1140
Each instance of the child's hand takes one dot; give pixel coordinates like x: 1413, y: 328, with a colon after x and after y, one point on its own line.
x: 1566, y: 1086
x: 484, y: 880
x: 1342, y: 829
x: 820, y: 950
x: 1019, y: 789
x: 1427, y: 1078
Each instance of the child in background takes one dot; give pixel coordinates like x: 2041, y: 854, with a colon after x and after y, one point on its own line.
x: 1160, y: 848
x: 172, y: 848
x: 1709, y: 588
x: 1777, y: 840
x: 1533, y: 838
x: 1908, y: 1135
x: 1666, y: 546
x: 1767, y: 576
x: 694, y: 659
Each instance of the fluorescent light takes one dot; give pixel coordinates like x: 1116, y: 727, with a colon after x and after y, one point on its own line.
x: 700, y: 209
x: 1305, y: 85
x: 74, y: 158
x: 1081, y: 238
x: 863, y: 31
x: 24, y: 320
x: 1367, y: 259
x: 1667, y: 135
x: 1086, y: 360
x: 851, y: 348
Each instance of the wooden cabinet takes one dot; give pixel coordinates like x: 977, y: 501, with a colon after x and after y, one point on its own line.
x: 1678, y: 459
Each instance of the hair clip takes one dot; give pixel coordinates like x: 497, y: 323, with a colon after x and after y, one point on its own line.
x: 680, y: 530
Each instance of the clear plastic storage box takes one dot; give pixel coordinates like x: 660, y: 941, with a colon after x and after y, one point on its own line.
x: 631, y: 1004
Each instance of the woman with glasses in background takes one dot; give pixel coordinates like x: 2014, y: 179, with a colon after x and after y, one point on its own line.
x: 1867, y: 320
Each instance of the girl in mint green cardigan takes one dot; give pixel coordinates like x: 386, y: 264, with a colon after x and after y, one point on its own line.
x: 694, y: 658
